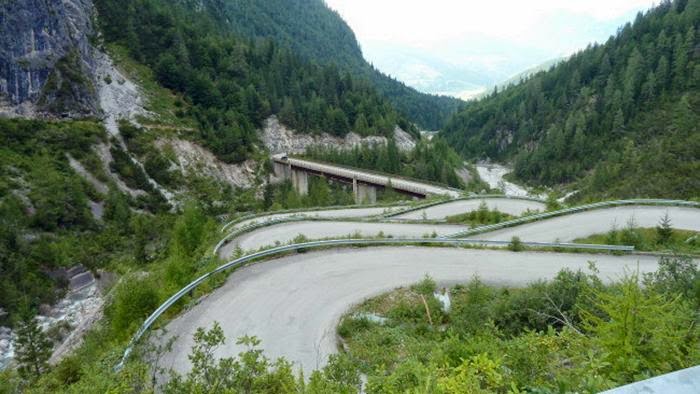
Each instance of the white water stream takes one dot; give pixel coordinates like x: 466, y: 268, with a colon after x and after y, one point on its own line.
x: 493, y: 175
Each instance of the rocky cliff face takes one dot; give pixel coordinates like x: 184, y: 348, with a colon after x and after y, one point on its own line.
x: 279, y: 139
x: 46, y: 60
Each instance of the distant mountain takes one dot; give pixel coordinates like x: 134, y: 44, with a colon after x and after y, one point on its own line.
x: 620, y: 118
x: 470, y: 76
x: 317, y: 33
x: 526, y: 74
x: 469, y: 65
x: 430, y: 74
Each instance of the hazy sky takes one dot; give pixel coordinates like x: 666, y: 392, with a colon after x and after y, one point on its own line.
x: 557, y: 27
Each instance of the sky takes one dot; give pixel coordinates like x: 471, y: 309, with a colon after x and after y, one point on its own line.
x: 460, y: 31
x: 421, y: 24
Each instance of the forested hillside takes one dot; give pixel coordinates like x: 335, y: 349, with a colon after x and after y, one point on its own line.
x: 233, y: 84
x: 317, y: 33
x: 624, y: 114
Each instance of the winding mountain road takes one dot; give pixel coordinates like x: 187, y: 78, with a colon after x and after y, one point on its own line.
x: 558, y: 229
x: 286, y: 232
x: 515, y: 207
x: 293, y: 303
x: 569, y: 227
x: 328, y: 213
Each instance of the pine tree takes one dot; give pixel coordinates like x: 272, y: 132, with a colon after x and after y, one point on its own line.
x: 287, y: 114
x: 33, y: 348
x: 680, y: 61
x: 664, y: 230
x: 649, y: 87
x: 633, y: 76
x: 619, y: 122
x: 662, y: 73
x: 361, y: 126
x: 393, y: 157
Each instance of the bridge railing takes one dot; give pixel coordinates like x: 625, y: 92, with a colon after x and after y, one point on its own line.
x: 392, y: 177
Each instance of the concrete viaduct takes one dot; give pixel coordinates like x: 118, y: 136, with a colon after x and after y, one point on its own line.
x: 364, y: 183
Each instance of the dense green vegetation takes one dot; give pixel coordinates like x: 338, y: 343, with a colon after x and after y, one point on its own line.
x: 569, y: 334
x: 432, y: 161
x: 661, y: 238
x: 319, y: 34
x: 321, y: 194
x: 155, y: 255
x: 46, y: 222
x: 624, y: 114
x: 480, y: 217
x: 233, y: 84
x: 43, y: 208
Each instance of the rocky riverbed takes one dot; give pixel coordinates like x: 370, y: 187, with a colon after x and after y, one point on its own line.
x: 67, y: 320
x: 493, y: 174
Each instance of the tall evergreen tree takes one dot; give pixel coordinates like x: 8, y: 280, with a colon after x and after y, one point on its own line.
x: 33, y: 348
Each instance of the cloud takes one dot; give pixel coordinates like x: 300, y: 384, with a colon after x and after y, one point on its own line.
x: 424, y: 23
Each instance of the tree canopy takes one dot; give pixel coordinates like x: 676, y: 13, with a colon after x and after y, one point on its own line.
x: 623, y: 112
x: 234, y: 83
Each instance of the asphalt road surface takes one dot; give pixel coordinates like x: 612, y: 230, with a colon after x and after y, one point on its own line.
x: 563, y: 229
x: 328, y: 213
x: 438, y: 212
x: 286, y: 232
x: 293, y: 303
x: 569, y: 227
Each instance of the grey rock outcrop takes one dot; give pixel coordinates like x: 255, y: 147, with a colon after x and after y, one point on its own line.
x: 46, y: 59
x: 277, y: 138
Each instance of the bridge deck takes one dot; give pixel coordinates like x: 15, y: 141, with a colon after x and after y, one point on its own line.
x: 397, y: 183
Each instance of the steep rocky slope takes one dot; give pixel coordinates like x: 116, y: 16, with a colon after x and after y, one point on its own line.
x: 47, y: 62
x: 277, y: 138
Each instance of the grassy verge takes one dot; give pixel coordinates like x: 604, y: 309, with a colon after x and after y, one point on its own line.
x: 480, y: 217
x: 649, y: 239
x: 562, y: 335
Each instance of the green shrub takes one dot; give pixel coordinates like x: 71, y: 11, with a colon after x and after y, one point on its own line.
x: 516, y: 245
x: 350, y: 326
x: 132, y: 175
x: 134, y: 299
x: 641, y: 331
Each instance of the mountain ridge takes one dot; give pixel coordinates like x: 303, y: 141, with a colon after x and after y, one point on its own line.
x: 327, y: 39
x: 633, y: 94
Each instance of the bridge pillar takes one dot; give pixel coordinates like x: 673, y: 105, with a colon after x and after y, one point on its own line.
x: 364, y: 193
x: 300, y: 180
x: 282, y: 171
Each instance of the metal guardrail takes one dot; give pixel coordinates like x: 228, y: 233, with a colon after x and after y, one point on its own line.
x: 320, y: 244
x: 254, y: 226
x: 684, y: 381
x: 476, y: 230
x: 302, y: 211
x: 581, y: 208
x: 297, y: 215
x: 472, y: 197
x: 451, y: 239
